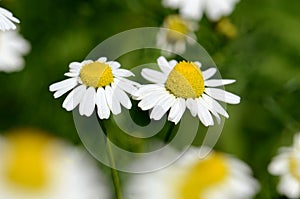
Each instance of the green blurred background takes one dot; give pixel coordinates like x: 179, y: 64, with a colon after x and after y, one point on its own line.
x: 263, y: 57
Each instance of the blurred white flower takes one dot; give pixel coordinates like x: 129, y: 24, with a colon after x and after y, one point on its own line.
x: 96, y: 83
x: 183, y: 85
x: 35, y: 166
x: 216, y: 176
x: 176, y: 33
x: 12, y: 49
x: 7, y: 19
x: 287, y: 165
x: 194, y: 9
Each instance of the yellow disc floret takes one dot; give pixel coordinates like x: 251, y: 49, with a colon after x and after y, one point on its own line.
x: 26, y: 161
x: 201, y: 176
x: 185, y: 80
x: 176, y: 24
x: 294, y: 167
x: 96, y: 74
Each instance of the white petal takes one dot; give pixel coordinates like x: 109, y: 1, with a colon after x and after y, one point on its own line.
x: 162, y: 107
x: 218, y: 82
x: 214, y: 105
x: 192, y: 9
x: 114, y: 64
x: 181, y: 111
x: 112, y: 102
x: 209, y: 73
x: 71, y: 74
x: 279, y: 165
x: 173, y: 63
x: 103, y: 109
x: 74, y: 97
x: 289, y: 187
x: 175, y: 109
x: 75, y: 66
x: 126, y: 86
x: 192, y: 105
x: 147, y: 90
x: 122, y: 97
x: 210, y: 108
x: 102, y: 59
x: 222, y: 95
x: 164, y: 65
x: 154, y: 76
x: 151, y: 100
x: 87, y: 105
x: 204, y: 115
x: 122, y: 73
x: 63, y: 84
x: 59, y: 93
x: 198, y: 64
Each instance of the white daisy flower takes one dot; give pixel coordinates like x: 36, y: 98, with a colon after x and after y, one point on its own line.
x: 36, y: 166
x: 98, y: 83
x: 216, y: 176
x: 176, y: 34
x: 7, y: 19
x: 194, y: 9
x: 287, y: 165
x: 183, y: 85
x: 12, y: 49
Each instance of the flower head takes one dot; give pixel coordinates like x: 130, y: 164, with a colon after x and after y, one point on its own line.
x: 216, y: 176
x: 287, y: 165
x: 7, y: 19
x: 98, y: 83
x: 184, y: 85
x: 194, y: 9
x: 12, y: 49
x: 176, y: 33
x: 37, y: 166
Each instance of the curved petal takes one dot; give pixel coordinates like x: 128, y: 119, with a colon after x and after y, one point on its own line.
x: 164, y: 65
x: 154, y: 76
x: 209, y: 73
x: 222, y: 95
x: 218, y: 82
x: 87, y: 105
x: 122, y: 73
x: 204, y: 115
x: 181, y: 111
x: 214, y: 105
x: 63, y: 84
x: 103, y: 109
x: 162, y: 107
x: 74, y: 98
x: 102, y: 59
x: 192, y: 105
x: 122, y: 97
x: 112, y: 102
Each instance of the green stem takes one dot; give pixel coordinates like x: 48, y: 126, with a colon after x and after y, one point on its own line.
x: 114, y: 172
x: 169, y: 132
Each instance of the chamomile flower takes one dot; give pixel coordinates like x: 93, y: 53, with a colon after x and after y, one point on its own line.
x: 287, y: 165
x: 37, y: 166
x: 183, y: 85
x: 176, y: 33
x: 98, y: 83
x: 218, y: 175
x: 12, y: 49
x: 194, y: 9
x: 7, y: 20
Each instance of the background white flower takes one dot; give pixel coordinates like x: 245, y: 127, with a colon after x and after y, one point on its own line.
x: 36, y: 166
x: 287, y: 165
x: 96, y: 83
x: 194, y: 9
x: 7, y: 19
x: 183, y: 85
x: 216, y: 176
x: 176, y: 33
x: 12, y: 49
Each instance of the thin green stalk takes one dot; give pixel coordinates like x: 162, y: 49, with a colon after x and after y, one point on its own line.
x: 169, y: 132
x: 114, y: 172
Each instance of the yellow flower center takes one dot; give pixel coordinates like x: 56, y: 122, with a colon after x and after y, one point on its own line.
x: 25, y: 163
x: 185, y: 80
x: 202, y: 175
x: 176, y: 23
x: 294, y: 167
x: 96, y: 74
